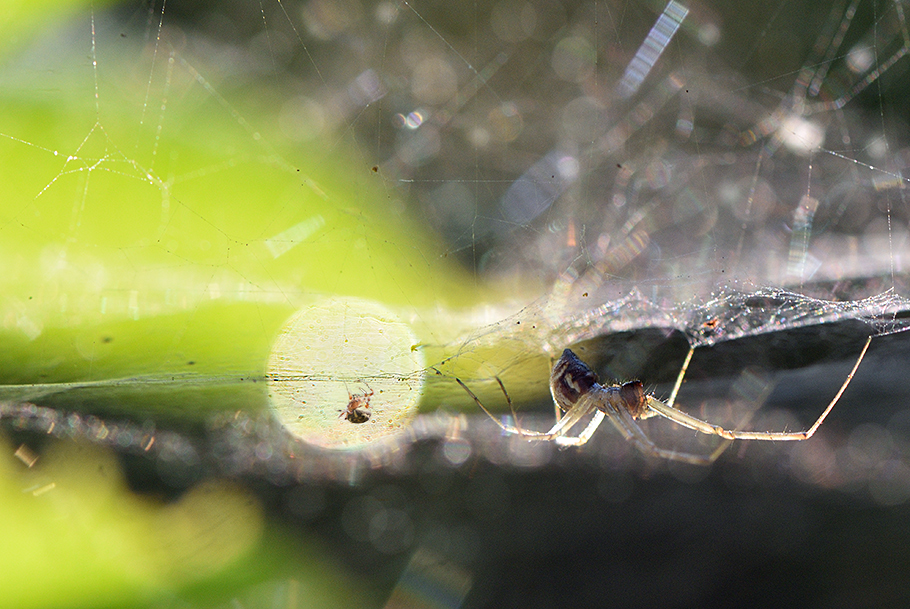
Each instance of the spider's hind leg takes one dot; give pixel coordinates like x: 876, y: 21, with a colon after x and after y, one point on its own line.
x: 630, y: 430
x: 686, y: 420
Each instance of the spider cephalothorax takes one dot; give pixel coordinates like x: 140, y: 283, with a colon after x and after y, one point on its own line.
x: 633, y: 397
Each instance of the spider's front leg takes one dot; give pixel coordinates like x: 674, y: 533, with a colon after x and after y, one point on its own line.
x: 571, y: 384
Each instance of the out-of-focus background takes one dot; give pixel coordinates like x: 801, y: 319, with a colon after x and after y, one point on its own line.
x: 511, y: 178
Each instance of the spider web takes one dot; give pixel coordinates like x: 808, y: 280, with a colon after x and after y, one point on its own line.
x: 628, y: 179
x: 610, y: 167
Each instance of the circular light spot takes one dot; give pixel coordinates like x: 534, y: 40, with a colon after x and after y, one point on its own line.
x: 801, y: 135
x: 513, y: 20
x: 709, y: 34
x: 301, y: 119
x: 573, y: 59
x: 456, y: 451
x: 860, y: 59
x: 433, y: 81
x: 584, y: 119
x: 505, y: 122
x: 336, y: 350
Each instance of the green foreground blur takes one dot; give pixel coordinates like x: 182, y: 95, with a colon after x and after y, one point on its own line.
x: 151, y: 228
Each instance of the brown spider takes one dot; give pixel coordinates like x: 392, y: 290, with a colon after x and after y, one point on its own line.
x: 357, y: 410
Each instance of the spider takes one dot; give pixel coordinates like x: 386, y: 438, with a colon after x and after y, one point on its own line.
x: 357, y: 410
x: 577, y: 393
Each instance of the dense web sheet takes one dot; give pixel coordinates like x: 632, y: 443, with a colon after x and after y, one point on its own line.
x: 739, y: 160
x: 713, y: 172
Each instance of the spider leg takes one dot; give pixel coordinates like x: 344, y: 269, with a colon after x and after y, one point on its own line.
x: 680, y: 417
x: 679, y: 381
x: 508, y: 399
x: 559, y: 430
x: 507, y: 428
x: 584, y: 436
x: 680, y: 377
x: 631, y: 431
x: 557, y: 411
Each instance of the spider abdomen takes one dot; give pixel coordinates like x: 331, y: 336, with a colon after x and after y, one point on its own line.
x: 570, y: 380
x: 633, y: 398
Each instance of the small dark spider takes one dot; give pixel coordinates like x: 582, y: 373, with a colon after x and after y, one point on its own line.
x: 357, y: 410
